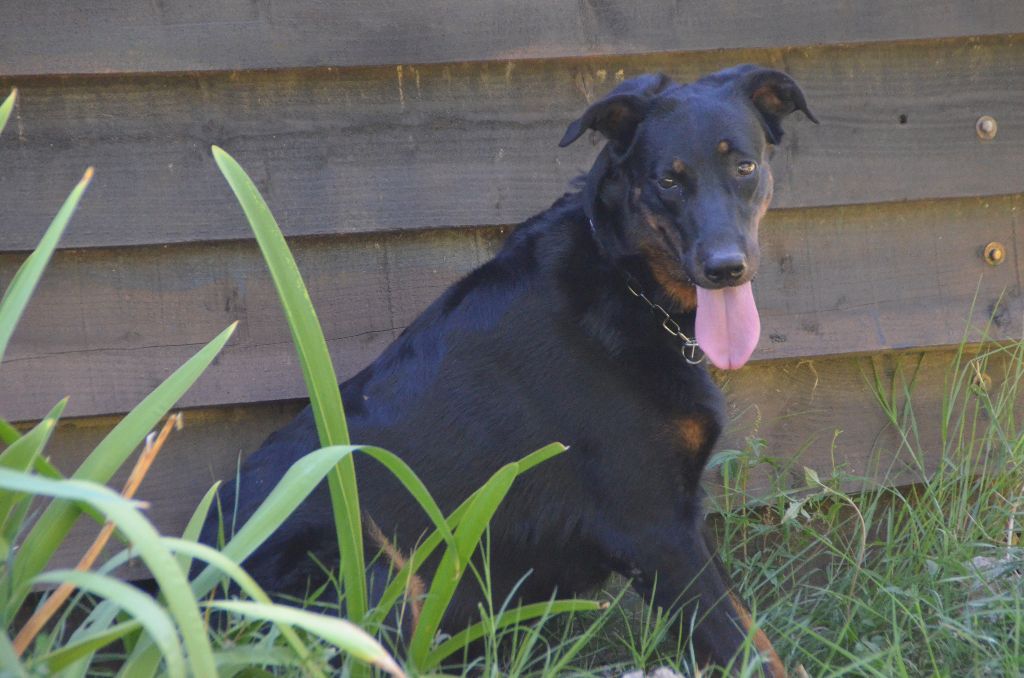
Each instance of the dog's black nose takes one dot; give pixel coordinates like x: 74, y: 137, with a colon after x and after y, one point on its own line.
x: 725, y: 268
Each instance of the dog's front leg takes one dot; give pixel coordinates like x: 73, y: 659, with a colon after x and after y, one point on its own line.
x: 676, y: 568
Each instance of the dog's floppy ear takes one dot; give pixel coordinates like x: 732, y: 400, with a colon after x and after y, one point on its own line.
x: 774, y: 94
x: 617, y: 115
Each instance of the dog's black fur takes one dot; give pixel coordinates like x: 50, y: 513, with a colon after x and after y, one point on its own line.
x: 544, y: 343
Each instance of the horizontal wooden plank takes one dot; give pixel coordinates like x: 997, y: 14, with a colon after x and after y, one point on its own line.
x: 106, y: 326
x: 825, y: 414
x: 45, y: 36
x: 816, y: 413
x: 378, y: 149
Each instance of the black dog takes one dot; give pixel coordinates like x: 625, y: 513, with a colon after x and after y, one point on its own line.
x: 562, y: 337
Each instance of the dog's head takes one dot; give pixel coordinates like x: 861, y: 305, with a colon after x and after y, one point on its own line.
x: 681, y: 187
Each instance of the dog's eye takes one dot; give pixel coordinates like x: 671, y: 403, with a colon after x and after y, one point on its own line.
x: 667, y: 182
x: 746, y: 167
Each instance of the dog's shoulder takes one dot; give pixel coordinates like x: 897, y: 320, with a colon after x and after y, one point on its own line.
x: 510, y: 284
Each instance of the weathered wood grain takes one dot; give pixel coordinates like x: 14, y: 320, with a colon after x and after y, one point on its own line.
x: 48, y: 36
x: 817, y: 413
x: 369, y: 150
x: 117, y: 322
x: 826, y: 414
x: 106, y: 326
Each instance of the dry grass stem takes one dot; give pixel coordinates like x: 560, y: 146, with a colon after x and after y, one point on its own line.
x: 43, y: 615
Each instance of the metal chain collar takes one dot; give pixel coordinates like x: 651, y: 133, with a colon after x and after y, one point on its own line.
x: 689, y: 348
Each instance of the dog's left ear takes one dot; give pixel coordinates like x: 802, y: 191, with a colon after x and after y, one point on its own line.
x: 618, y: 114
x: 775, y: 95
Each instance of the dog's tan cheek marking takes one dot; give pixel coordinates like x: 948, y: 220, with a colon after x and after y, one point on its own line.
x: 684, y: 295
x: 761, y: 642
x: 767, y: 201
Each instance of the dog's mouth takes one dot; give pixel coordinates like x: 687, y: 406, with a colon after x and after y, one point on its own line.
x: 728, y: 325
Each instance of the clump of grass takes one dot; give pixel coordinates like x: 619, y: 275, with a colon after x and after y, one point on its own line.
x: 920, y: 580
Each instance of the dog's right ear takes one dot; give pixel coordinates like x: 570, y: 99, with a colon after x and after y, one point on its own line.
x: 617, y: 115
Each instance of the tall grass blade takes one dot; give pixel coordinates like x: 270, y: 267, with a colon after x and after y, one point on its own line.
x: 518, y: 615
x: 22, y: 453
x: 141, y: 607
x: 21, y: 456
x: 10, y: 665
x: 6, y: 107
x: 195, y: 525
x: 61, y: 659
x: 318, y: 371
x: 17, y: 294
x: 108, y: 456
x: 449, y: 571
x: 145, y: 539
x: 143, y: 662
x: 339, y: 632
x: 8, y: 434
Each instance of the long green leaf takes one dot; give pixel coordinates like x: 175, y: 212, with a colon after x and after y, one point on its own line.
x: 76, y: 650
x: 317, y: 370
x: 449, y: 573
x: 55, y: 523
x: 195, y: 525
x: 11, y: 665
x: 143, y: 662
x: 16, y: 296
x: 21, y: 456
x: 142, y: 607
x: 339, y: 632
x: 8, y: 434
x: 517, y: 615
x: 143, y: 537
x: 6, y: 107
x: 22, y: 453
x: 310, y: 344
x: 396, y: 589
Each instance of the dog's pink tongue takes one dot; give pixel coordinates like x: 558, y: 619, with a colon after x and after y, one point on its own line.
x: 728, y: 326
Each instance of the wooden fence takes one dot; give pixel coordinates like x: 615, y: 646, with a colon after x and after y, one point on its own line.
x: 397, y: 147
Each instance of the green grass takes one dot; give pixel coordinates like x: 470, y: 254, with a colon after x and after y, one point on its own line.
x: 918, y: 581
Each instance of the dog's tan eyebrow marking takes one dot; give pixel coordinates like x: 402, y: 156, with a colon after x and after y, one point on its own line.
x: 678, y: 166
x: 724, y: 146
